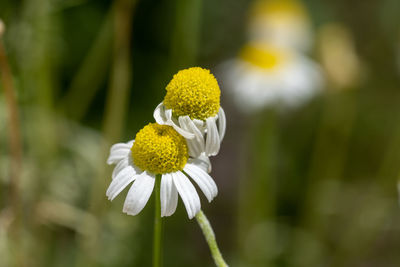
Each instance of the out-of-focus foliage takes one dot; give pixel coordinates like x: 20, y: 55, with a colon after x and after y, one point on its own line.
x: 314, y: 186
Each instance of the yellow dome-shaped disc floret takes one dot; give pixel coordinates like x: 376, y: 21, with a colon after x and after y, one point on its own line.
x: 193, y: 92
x: 159, y: 149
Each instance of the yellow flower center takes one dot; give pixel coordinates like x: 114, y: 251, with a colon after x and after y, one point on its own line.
x: 159, y: 149
x: 267, y: 57
x: 279, y: 7
x: 193, y: 92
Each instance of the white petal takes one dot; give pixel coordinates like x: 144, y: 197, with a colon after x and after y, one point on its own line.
x: 188, y: 194
x: 119, y: 146
x: 203, y: 180
x: 139, y: 194
x: 196, y: 145
x: 212, y: 141
x: 118, y: 152
x: 202, y: 162
x: 164, y: 116
x: 199, y: 123
x: 221, y: 123
x: 117, y: 156
x: 168, y: 195
x: 119, y: 167
x: 159, y: 114
x: 181, y: 131
x: 124, y: 177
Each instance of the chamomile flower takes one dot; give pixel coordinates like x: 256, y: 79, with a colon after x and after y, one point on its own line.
x: 192, y: 107
x: 264, y: 75
x: 159, y: 150
x: 282, y: 22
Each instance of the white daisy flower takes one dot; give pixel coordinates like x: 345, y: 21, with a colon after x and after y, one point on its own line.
x: 192, y: 107
x: 282, y: 22
x: 265, y: 75
x: 159, y: 149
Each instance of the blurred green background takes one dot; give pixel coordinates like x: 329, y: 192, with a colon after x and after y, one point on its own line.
x: 315, y: 186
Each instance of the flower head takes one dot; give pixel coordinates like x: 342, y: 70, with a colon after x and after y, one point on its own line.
x: 159, y: 150
x: 193, y: 92
x: 192, y: 107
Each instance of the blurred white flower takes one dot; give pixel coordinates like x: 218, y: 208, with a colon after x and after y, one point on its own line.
x: 159, y: 149
x: 265, y: 75
x: 281, y: 22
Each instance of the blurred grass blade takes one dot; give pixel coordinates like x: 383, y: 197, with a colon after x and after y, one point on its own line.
x: 257, y: 196
x: 114, y: 118
x: 186, y: 36
x: 91, y: 75
x: 330, y: 150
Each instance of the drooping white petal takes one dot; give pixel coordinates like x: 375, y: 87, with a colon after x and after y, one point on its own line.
x: 171, y: 122
x: 118, y: 152
x: 188, y: 193
x: 124, y: 177
x: 212, y: 141
x: 159, y: 114
x: 196, y: 145
x: 168, y: 195
x: 203, y: 180
x: 139, y: 194
x: 221, y: 124
x: 202, y: 162
x: 119, y: 167
x: 199, y: 124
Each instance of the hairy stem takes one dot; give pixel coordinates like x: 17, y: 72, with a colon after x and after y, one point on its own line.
x: 210, y: 238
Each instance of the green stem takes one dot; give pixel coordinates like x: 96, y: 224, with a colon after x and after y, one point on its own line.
x: 210, y: 238
x: 158, y: 225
